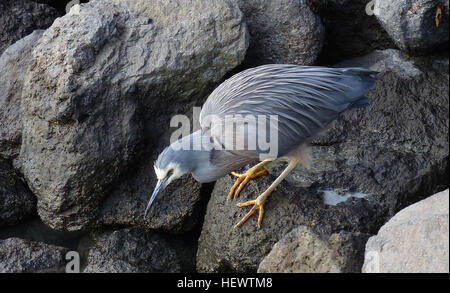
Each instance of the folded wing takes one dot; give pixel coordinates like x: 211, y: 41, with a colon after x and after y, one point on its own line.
x: 304, y: 99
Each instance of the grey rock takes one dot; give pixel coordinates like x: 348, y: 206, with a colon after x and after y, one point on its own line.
x: 415, y: 240
x: 60, y: 5
x: 175, y: 209
x: 303, y: 251
x: 33, y: 229
x: 282, y: 31
x: 221, y: 248
x: 350, y: 31
x: 394, y: 151
x: 131, y: 250
x: 19, y: 18
x: 412, y: 23
x: 16, y: 200
x: 22, y: 256
x: 52, y: 2
x: 14, y: 64
x: 101, y: 79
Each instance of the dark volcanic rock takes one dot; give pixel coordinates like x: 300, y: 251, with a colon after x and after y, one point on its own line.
x: 394, y: 151
x: 131, y: 250
x: 19, y: 18
x: 16, y: 201
x: 101, y: 78
x: 61, y: 5
x: 282, y: 31
x: 22, y: 256
x: 33, y: 229
x: 222, y: 248
x: 350, y: 31
x: 412, y: 24
x: 402, y: 146
x: 174, y: 210
x: 14, y: 64
x: 303, y: 251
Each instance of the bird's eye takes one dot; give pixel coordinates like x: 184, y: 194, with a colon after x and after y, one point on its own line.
x: 169, y: 173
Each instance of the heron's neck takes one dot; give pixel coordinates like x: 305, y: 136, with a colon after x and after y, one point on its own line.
x: 192, y: 151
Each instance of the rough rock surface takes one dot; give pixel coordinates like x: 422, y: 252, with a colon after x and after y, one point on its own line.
x: 16, y: 200
x: 350, y: 31
x: 14, y: 63
x: 19, y: 18
x: 394, y: 151
x: 303, y: 251
x: 131, y: 250
x: 101, y: 77
x: 412, y: 23
x: 415, y: 240
x: 222, y: 248
x: 33, y: 229
x: 61, y: 5
x: 282, y: 31
x: 22, y: 256
x: 174, y: 210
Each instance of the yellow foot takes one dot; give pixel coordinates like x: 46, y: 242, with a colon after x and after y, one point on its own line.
x: 257, y: 205
x: 259, y: 201
x: 243, y: 179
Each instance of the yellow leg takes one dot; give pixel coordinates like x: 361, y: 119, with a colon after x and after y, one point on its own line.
x: 258, y: 203
x: 243, y: 179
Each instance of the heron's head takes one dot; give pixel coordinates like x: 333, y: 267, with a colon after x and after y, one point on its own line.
x: 170, y: 165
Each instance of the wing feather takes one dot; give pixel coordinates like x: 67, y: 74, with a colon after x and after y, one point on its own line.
x: 304, y: 98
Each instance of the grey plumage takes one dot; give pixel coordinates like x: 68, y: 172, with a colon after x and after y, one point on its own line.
x: 305, y: 99
x: 201, y: 163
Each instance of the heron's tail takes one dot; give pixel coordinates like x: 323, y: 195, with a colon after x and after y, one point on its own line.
x: 359, y: 81
x: 361, y: 103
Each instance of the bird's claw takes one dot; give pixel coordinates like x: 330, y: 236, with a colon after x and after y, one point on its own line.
x: 242, y: 180
x: 256, y: 206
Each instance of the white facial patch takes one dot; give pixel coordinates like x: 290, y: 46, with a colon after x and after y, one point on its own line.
x: 161, y: 174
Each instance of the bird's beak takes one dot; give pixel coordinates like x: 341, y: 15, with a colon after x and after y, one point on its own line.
x: 159, y: 187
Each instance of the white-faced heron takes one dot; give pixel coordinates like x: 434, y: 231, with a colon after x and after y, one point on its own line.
x: 302, y: 99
